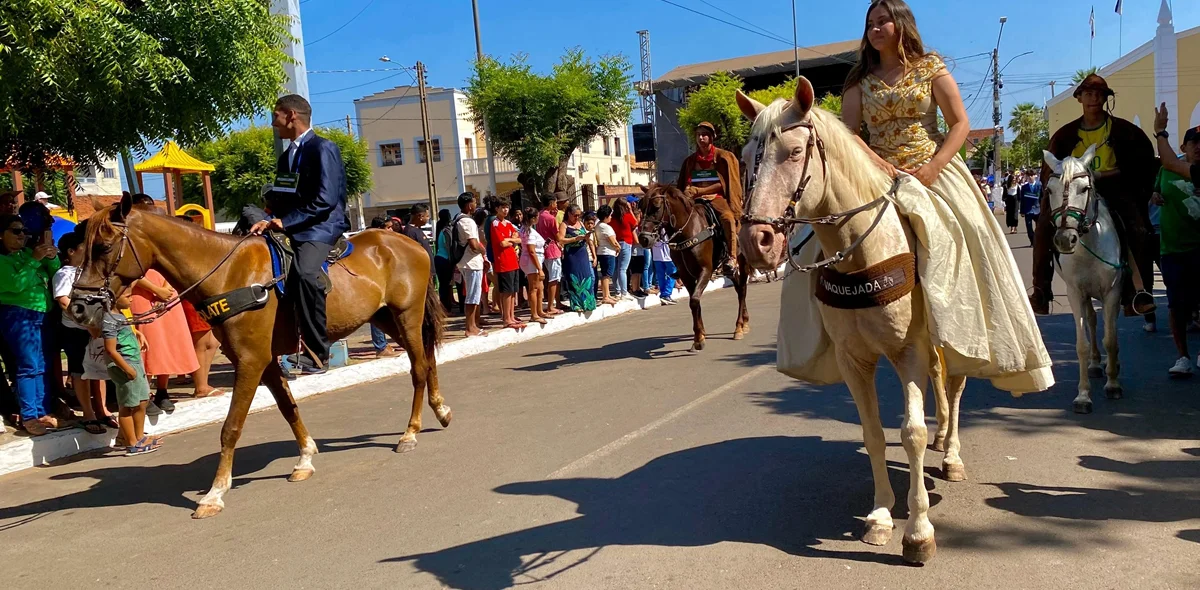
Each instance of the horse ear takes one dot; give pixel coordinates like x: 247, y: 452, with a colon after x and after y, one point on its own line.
x: 124, y: 207
x: 750, y: 108
x: 1088, y: 155
x: 645, y: 189
x: 805, y: 96
x: 1054, y: 163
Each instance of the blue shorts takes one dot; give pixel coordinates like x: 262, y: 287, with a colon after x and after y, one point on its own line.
x: 607, y: 265
x: 1181, y: 276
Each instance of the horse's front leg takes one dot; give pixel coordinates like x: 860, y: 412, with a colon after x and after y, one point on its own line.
x: 860, y: 379
x: 1085, y: 321
x: 1112, y: 307
x: 273, y: 379
x: 696, y: 290
x: 912, y: 364
x: 249, y: 373
x: 739, y: 285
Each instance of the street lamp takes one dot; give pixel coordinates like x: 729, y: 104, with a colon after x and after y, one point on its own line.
x: 385, y: 59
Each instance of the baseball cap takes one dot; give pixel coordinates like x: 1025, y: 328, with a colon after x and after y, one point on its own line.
x: 1192, y: 134
x: 41, y: 196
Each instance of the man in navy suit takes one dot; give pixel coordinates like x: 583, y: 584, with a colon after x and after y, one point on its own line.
x: 308, y: 204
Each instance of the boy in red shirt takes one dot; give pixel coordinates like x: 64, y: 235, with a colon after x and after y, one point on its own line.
x: 505, y: 240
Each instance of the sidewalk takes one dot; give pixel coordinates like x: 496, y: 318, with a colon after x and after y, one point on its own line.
x: 18, y: 451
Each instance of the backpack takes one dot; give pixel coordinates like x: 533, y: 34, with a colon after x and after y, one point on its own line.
x: 457, y: 247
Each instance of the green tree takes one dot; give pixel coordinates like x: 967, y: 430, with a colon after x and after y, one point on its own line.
x: 716, y: 102
x: 982, y: 157
x: 1081, y: 74
x: 537, y: 121
x: 88, y: 77
x: 245, y: 161
x: 1029, y: 123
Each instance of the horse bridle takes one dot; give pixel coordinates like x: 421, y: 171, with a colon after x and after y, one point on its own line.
x: 661, y: 223
x: 784, y: 222
x: 1066, y: 211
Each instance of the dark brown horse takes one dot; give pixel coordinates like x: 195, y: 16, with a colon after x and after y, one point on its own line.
x: 384, y: 281
x: 666, y: 209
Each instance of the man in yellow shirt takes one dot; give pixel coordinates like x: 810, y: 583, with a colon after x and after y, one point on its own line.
x: 1125, y: 169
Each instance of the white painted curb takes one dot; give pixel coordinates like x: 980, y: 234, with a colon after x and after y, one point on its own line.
x: 26, y: 452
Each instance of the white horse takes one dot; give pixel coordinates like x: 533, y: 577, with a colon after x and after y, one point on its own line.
x: 1083, y: 222
x: 798, y: 146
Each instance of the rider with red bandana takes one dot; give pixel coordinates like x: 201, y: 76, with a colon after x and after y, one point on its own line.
x: 713, y: 175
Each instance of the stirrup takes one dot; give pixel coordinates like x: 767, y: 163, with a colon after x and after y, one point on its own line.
x: 1143, y: 303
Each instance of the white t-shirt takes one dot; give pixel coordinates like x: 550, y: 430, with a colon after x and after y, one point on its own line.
x: 661, y: 252
x: 467, y: 230
x: 62, y: 282
x: 603, y: 246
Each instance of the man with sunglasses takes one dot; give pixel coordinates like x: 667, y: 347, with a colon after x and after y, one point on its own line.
x: 1124, y: 169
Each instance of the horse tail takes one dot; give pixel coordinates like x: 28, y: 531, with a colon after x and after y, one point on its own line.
x: 433, y: 326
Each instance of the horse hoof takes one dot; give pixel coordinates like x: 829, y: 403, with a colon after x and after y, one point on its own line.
x: 1095, y: 372
x: 444, y: 415
x: 738, y: 335
x: 207, y: 511
x: 697, y: 347
x: 300, y: 475
x: 406, y: 445
x: 939, y: 444
x: 877, y: 534
x: 1114, y: 393
x: 954, y: 471
x: 1083, y: 407
x: 919, y: 552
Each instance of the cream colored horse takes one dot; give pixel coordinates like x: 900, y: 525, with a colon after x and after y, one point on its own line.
x: 841, y: 178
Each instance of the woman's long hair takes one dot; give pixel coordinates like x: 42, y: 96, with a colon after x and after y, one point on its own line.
x: 911, y: 46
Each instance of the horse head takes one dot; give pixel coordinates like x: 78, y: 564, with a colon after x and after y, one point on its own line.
x: 112, y: 262
x: 776, y: 160
x: 1070, y: 195
x: 658, y: 204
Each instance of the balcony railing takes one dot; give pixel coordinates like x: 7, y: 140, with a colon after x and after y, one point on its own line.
x: 480, y: 166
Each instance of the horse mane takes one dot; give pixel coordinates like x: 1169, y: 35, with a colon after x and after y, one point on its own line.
x: 849, y: 168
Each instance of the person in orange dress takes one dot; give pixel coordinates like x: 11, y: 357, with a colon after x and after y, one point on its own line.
x: 170, y: 350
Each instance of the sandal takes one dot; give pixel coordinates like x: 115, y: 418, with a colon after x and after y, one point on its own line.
x: 109, y: 421
x: 93, y: 426
x: 479, y: 333
x: 541, y: 321
x: 518, y: 326
x: 143, y: 447
x: 214, y: 392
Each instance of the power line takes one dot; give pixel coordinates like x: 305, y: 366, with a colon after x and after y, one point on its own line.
x: 358, y: 85
x: 344, y: 25
x: 359, y: 70
x: 736, y: 17
x: 770, y: 36
x: 980, y: 90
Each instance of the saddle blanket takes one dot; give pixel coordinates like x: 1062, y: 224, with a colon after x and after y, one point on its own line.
x: 975, y: 305
x: 281, y: 258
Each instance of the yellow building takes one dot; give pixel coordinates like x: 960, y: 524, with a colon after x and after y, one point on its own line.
x: 390, y: 123
x: 1164, y: 69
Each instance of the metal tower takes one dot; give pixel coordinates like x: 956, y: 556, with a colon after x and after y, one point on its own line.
x: 645, y: 91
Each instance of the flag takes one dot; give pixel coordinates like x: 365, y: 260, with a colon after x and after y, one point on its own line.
x: 1118, y: 8
x: 1092, y: 22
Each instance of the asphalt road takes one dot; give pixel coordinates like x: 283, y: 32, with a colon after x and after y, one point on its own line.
x: 610, y: 457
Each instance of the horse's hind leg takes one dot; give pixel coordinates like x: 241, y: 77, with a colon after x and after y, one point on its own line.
x: 246, y: 379
x: 860, y: 379
x: 937, y: 374
x: 739, y: 285
x: 953, y: 468
x: 1112, y: 306
x: 273, y: 379
x: 406, y: 329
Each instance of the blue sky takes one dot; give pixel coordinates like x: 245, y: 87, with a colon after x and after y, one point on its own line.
x: 440, y: 33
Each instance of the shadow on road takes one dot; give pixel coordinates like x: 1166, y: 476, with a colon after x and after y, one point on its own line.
x: 639, y: 348
x: 166, y: 484
x: 774, y: 491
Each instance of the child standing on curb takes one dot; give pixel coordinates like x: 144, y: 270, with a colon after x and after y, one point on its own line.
x: 124, y: 347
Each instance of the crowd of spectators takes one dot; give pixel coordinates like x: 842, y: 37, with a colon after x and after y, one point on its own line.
x: 36, y: 278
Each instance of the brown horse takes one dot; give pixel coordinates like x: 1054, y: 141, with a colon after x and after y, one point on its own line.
x: 384, y: 281
x: 665, y: 209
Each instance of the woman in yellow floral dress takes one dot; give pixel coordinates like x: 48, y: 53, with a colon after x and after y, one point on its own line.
x: 894, y: 93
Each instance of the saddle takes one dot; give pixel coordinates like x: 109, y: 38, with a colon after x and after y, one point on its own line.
x: 282, y: 254
x: 713, y: 232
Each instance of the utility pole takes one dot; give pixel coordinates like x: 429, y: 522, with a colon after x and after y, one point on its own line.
x: 487, y: 134
x: 358, y: 200
x: 433, y: 204
x: 795, y: 40
x: 996, y: 86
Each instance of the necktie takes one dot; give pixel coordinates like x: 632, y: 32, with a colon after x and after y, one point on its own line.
x: 293, y: 149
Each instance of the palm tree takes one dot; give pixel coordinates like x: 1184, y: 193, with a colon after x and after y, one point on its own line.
x: 1028, y: 122
x: 1081, y: 74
